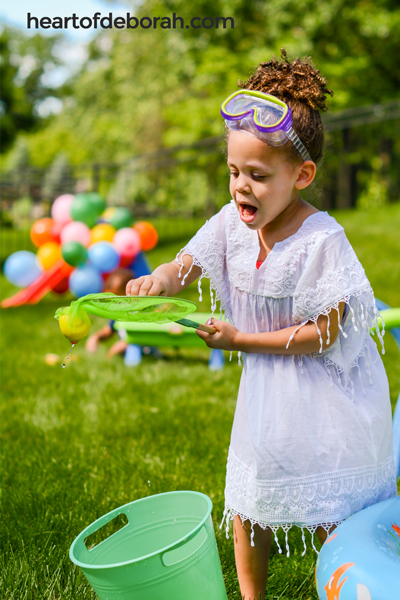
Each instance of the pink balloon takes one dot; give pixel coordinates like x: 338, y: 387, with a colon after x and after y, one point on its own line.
x: 60, y: 211
x: 127, y: 242
x: 76, y: 232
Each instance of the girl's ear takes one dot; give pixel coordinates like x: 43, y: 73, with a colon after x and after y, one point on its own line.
x: 306, y: 175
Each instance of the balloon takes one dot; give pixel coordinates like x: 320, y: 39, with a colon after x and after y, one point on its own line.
x: 127, y: 242
x: 75, y: 328
x: 83, y: 210
x: 107, y: 214
x: 85, y: 280
x: 104, y: 232
x: 121, y: 217
x: 74, y: 253
x: 125, y: 262
x: 22, y: 268
x: 61, y: 287
x: 56, y: 231
x: 49, y: 254
x: 61, y: 209
x: 41, y: 231
x: 98, y: 203
x: 103, y: 257
x: 148, y: 235
x: 76, y: 232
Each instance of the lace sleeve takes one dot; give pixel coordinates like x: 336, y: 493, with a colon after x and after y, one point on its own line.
x: 332, y: 275
x: 208, y: 250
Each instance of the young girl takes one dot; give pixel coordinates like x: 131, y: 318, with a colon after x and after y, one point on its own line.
x: 311, y: 441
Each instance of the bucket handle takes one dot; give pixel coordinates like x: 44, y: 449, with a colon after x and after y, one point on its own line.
x: 186, y: 548
x: 80, y: 541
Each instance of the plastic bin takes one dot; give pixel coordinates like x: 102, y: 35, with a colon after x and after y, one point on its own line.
x: 166, y: 551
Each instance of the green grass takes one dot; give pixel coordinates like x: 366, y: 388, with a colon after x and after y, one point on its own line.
x: 80, y: 441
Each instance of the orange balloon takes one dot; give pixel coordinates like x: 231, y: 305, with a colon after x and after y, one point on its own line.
x: 42, y: 231
x: 103, y: 232
x: 148, y: 235
x: 49, y: 254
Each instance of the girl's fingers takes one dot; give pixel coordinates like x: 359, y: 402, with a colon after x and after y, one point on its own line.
x: 202, y: 334
x: 145, y: 286
x: 132, y: 287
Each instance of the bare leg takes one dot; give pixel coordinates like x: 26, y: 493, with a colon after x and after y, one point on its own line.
x: 117, y: 348
x: 323, y: 534
x: 251, y: 561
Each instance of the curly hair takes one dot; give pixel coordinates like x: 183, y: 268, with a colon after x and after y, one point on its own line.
x: 302, y: 87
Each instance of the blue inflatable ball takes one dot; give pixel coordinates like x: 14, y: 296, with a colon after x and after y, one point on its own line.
x: 103, y: 256
x: 22, y: 268
x: 85, y: 280
x: 140, y: 266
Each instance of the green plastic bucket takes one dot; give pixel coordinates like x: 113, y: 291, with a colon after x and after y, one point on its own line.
x: 167, y: 550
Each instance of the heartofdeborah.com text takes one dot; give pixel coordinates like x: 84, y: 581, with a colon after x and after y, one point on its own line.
x: 130, y: 22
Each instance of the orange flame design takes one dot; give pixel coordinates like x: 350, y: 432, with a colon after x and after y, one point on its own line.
x: 396, y: 528
x: 333, y: 587
x: 330, y: 538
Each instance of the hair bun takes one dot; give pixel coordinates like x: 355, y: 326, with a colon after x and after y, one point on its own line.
x: 295, y: 80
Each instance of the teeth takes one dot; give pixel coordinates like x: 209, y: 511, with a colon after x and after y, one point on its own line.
x: 248, y: 209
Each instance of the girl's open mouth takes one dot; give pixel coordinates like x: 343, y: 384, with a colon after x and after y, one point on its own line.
x: 247, y: 212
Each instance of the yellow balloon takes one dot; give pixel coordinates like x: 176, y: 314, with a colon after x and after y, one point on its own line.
x: 75, y: 328
x: 49, y: 254
x: 108, y: 213
x: 103, y: 232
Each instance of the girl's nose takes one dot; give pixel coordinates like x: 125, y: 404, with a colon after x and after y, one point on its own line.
x: 242, y: 186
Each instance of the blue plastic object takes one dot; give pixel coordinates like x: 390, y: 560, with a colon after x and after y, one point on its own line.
x: 217, y: 360
x: 396, y: 437
x: 133, y: 355
x: 360, y: 560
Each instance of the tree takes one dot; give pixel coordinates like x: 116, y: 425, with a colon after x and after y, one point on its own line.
x: 23, y: 62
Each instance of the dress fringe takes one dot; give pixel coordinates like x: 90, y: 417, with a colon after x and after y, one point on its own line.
x: 229, y: 515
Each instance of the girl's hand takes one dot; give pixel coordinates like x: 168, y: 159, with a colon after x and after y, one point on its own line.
x: 225, y: 338
x: 148, y: 285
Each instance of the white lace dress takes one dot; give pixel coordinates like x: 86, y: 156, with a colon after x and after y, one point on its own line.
x: 312, y: 437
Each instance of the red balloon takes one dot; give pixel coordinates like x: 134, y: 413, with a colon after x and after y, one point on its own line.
x: 61, y: 287
x: 56, y: 231
x: 125, y: 261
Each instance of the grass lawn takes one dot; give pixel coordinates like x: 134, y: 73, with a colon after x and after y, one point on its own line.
x: 80, y: 441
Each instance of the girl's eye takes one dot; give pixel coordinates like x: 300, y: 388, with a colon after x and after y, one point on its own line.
x: 258, y: 177
x: 232, y: 173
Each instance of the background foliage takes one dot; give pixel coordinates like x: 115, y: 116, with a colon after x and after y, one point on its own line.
x: 141, y: 90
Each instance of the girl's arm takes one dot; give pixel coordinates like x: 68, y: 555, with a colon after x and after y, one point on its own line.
x: 305, y: 341
x: 165, y: 280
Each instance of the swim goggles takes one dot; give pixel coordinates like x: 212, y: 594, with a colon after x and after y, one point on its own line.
x: 264, y: 116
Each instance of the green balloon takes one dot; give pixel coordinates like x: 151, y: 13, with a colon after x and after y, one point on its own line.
x: 74, y: 253
x: 98, y: 203
x: 121, y: 218
x: 83, y: 210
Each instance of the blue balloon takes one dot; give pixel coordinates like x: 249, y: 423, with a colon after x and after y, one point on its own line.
x: 85, y: 280
x: 22, y: 268
x: 104, y: 257
x: 140, y: 266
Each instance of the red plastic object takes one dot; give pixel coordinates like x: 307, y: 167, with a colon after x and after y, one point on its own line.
x: 42, y: 286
